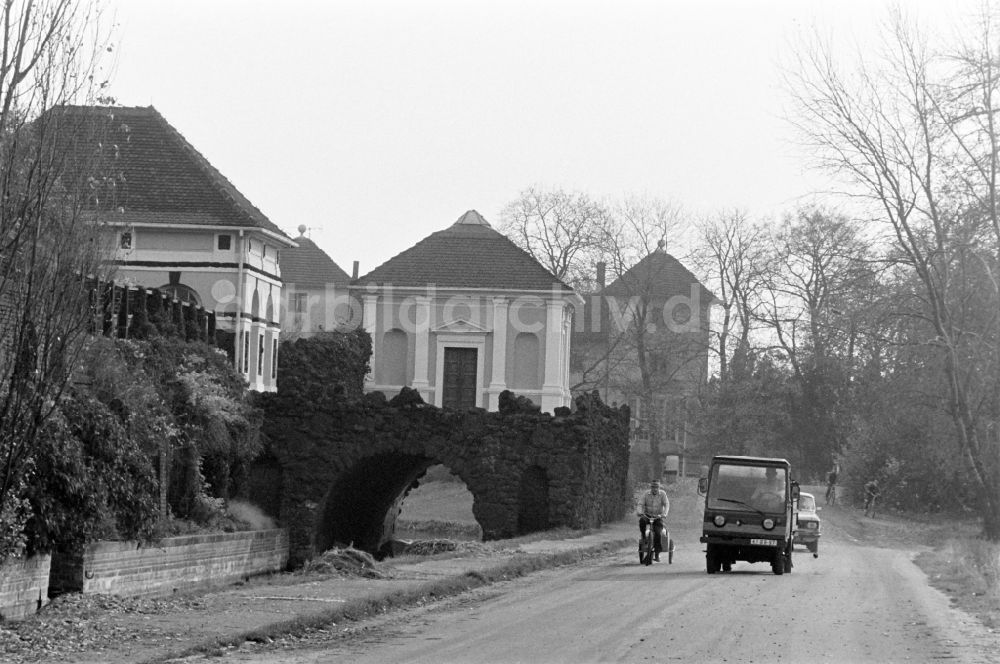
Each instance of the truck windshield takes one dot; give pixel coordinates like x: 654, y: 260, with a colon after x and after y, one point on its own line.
x: 752, y: 488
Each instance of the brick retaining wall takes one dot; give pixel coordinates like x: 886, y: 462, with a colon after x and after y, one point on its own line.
x: 183, y: 563
x: 24, y: 586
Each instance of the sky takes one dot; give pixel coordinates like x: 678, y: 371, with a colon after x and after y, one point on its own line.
x: 374, y: 123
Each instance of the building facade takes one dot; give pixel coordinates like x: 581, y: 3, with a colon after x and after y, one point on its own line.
x: 176, y: 224
x: 316, y: 295
x: 643, y: 340
x: 464, y: 315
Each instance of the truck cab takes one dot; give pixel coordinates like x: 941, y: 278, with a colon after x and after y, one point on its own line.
x: 749, y: 512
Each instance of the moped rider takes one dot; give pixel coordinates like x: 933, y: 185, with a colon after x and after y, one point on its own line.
x: 653, y: 508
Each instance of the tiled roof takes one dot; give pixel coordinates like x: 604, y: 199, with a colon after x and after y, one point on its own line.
x: 658, y: 276
x: 160, y: 178
x: 308, y: 265
x: 467, y: 254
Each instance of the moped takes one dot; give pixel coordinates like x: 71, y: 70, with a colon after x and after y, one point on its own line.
x: 646, y: 549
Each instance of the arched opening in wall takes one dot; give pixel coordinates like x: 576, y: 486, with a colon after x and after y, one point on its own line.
x: 181, y: 293
x: 363, y: 507
x: 440, y: 507
x: 533, y: 501
x: 527, y: 362
x: 394, y: 361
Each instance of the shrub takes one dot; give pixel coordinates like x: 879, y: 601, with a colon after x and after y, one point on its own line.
x: 92, y: 481
x: 145, y: 404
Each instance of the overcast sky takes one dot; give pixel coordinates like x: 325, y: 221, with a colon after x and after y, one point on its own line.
x: 375, y: 123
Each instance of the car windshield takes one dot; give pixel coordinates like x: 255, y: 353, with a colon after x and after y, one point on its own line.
x: 755, y: 488
x: 807, y: 503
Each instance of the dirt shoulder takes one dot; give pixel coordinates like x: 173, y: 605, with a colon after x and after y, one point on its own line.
x: 82, y: 629
x: 947, y: 548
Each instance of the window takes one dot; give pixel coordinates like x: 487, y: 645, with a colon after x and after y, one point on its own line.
x: 274, y: 359
x: 246, y: 352
x: 125, y: 242
x: 225, y: 242
x: 260, y: 355
x: 299, y: 302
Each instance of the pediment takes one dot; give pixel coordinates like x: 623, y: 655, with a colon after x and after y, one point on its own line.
x: 461, y: 326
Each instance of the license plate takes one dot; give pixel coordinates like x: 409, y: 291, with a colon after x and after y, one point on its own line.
x: 764, y: 542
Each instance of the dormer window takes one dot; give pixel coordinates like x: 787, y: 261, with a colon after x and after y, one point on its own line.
x: 125, y: 241
x: 225, y: 242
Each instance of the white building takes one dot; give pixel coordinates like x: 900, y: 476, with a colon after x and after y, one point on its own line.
x: 464, y: 315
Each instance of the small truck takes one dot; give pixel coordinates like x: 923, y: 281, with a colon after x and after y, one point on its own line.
x: 749, y: 512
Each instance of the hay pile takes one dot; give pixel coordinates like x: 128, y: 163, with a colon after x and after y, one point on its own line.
x: 346, y: 562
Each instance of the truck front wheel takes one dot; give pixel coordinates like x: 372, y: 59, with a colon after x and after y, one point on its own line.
x: 778, y: 562
x: 711, y: 559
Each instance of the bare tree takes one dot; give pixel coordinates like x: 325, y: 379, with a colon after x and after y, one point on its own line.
x: 561, y: 230
x: 48, y: 250
x: 659, y: 315
x: 736, y: 252
x: 820, y: 264
x: 623, y: 344
x: 915, y: 136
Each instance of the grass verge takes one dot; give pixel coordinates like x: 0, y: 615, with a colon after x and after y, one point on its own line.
x: 967, y: 569
x: 518, y: 566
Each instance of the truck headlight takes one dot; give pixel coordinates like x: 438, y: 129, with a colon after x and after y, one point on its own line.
x: 719, y: 520
x: 768, y: 524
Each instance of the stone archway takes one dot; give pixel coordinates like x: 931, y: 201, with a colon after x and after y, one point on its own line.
x: 346, y: 465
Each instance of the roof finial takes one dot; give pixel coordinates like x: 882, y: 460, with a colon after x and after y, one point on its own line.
x: 661, y: 246
x: 472, y: 218
x: 302, y: 229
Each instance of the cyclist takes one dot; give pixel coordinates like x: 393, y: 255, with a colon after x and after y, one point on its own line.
x: 831, y: 484
x: 871, y: 493
x: 653, y: 507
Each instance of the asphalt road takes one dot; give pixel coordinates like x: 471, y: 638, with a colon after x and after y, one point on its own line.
x: 855, y: 603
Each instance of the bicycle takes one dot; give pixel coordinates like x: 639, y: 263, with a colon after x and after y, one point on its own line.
x: 646, y: 548
x: 831, y: 494
x: 870, y: 506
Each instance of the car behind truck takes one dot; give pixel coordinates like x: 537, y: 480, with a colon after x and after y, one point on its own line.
x: 749, y: 512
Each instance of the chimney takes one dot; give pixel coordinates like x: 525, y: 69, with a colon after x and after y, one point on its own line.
x: 601, y: 266
x: 354, y: 271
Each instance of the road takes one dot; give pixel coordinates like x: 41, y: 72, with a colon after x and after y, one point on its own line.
x: 855, y: 603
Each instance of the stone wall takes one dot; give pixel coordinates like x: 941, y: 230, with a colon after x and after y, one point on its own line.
x: 176, y: 564
x: 346, y: 464
x: 24, y: 586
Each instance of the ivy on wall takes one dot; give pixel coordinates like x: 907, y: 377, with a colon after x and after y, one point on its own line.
x: 313, y: 369
x: 151, y: 432
x: 339, y: 461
